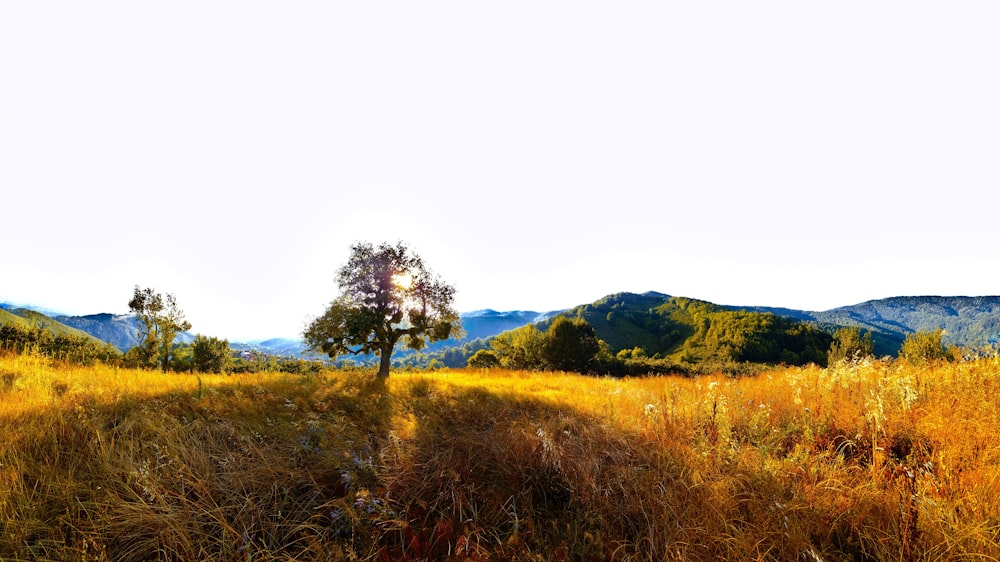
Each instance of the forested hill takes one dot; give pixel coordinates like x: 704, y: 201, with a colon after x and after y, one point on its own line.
x: 967, y: 321
x: 25, y: 318
x: 695, y: 331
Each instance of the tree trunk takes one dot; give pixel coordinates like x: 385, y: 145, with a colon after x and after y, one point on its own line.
x: 385, y: 362
x: 165, y: 357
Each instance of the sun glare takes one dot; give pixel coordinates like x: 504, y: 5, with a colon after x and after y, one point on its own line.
x: 403, y: 280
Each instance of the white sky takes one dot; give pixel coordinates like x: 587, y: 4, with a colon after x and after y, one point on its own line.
x: 538, y: 155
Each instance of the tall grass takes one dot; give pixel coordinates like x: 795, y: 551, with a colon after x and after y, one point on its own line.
x: 861, y: 461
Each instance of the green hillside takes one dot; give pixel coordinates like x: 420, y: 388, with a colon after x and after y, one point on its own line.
x: 25, y: 318
x: 8, y: 318
x: 693, y: 331
x: 23, y: 330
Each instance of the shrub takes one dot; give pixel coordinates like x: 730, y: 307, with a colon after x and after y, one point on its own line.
x: 484, y: 359
x: 570, y: 345
x: 211, y: 355
x: 924, y: 347
x: 850, y: 344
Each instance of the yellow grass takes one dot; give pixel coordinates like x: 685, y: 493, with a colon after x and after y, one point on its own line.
x: 869, y: 461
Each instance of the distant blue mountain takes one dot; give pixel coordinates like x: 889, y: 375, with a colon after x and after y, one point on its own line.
x: 967, y: 321
x: 488, y: 323
x: 284, y: 347
x: 14, y: 306
x: 120, y: 330
x: 478, y: 324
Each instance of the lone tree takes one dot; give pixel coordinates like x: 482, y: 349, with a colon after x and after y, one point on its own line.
x: 386, y: 294
x: 484, y: 359
x: 850, y: 344
x: 570, y: 345
x: 160, y: 322
x: 211, y: 355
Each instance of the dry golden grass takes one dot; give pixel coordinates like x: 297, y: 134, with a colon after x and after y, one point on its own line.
x: 869, y: 461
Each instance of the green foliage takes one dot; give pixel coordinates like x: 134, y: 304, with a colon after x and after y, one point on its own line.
x: 634, y: 353
x: 387, y: 295
x: 742, y: 336
x: 454, y: 356
x: 181, y: 358
x: 570, y: 345
x: 76, y: 349
x: 924, y: 347
x: 521, y: 348
x: 691, y: 333
x: 657, y: 323
x: 210, y: 355
x: 627, y: 334
x: 850, y: 344
x: 160, y: 321
x: 484, y: 359
x: 700, y: 331
x: 26, y: 318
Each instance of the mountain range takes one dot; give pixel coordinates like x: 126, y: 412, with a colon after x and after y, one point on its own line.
x: 966, y: 321
x: 624, y: 320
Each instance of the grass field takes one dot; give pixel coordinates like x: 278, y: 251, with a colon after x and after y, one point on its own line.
x: 869, y: 461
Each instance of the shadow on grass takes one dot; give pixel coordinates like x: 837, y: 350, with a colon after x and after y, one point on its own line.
x: 482, y: 472
x: 249, y: 468
x: 346, y: 467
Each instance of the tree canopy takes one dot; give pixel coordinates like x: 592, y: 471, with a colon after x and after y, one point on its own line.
x: 924, y: 347
x: 520, y: 348
x: 570, y: 345
x: 850, y: 344
x: 387, y: 295
x: 210, y: 355
x: 160, y: 321
x: 484, y: 359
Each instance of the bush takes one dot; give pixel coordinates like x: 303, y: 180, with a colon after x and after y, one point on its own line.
x: 211, y: 355
x: 570, y: 345
x: 484, y: 359
x: 520, y: 348
x: 924, y: 347
x: 850, y: 344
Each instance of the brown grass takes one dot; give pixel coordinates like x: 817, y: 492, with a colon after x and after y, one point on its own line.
x: 869, y: 461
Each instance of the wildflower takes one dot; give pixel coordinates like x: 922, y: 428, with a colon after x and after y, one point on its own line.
x: 651, y: 410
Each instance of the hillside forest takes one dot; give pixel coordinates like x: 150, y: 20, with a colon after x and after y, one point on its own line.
x: 621, y: 334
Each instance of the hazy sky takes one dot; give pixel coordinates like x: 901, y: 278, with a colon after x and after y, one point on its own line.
x: 538, y: 155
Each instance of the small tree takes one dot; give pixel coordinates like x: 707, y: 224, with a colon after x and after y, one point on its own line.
x: 850, y: 344
x: 571, y: 345
x: 520, y: 348
x: 924, y: 347
x: 386, y: 295
x: 484, y: 359
x: 159, y: 323
x: 211, y: 355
